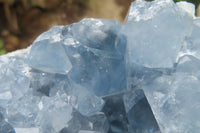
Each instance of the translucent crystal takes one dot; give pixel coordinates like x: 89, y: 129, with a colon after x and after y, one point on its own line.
x: 156, y: 44
x: 23, y: 111
x: 175, y: 102
x: 13, y: 71
x: 143, y: 10
x: 116, y: 114
x: 83, y: 100
x: 54, y: 114
x: 49, y: 57
x: 192, y: 42
x: 96, y: 55
x: 188, y: 7
x: 5, y: 127
x: 101, y: 76
x: 140, y: 116
x: 188, y: 64
x: 80, y: 123
x: 167, y: 71
x: 27, y: 130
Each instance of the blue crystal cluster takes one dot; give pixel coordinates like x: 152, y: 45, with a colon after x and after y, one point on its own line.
x: 101, y: 76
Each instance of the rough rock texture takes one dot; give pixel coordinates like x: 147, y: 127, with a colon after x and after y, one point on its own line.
x: 101, y: 76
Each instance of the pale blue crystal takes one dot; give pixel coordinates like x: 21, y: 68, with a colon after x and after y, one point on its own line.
x: 101, y: 76
x: 80, y: 123
x: 5, y: 127
x: 175, y: 102
x: 23, y: 111
x: 140, y: 116
x: 95, y: 53
x: 154, y: 43
x: 54, y: 114
x: 49, y: 57
x: 83, y: 100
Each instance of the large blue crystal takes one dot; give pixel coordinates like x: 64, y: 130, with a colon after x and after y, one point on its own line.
x: 101, y: 76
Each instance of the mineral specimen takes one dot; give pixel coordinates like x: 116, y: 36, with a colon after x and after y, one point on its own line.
x: 101, y: 76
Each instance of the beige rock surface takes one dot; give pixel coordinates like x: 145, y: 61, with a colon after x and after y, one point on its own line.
x: 198, y: 11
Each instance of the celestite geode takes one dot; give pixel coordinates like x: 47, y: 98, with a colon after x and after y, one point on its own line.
x: 101, y: 76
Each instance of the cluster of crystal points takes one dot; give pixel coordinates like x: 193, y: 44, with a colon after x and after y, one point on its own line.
x: 101, y: 76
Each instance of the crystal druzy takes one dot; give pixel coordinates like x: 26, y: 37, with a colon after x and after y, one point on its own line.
x: 101, y: 76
